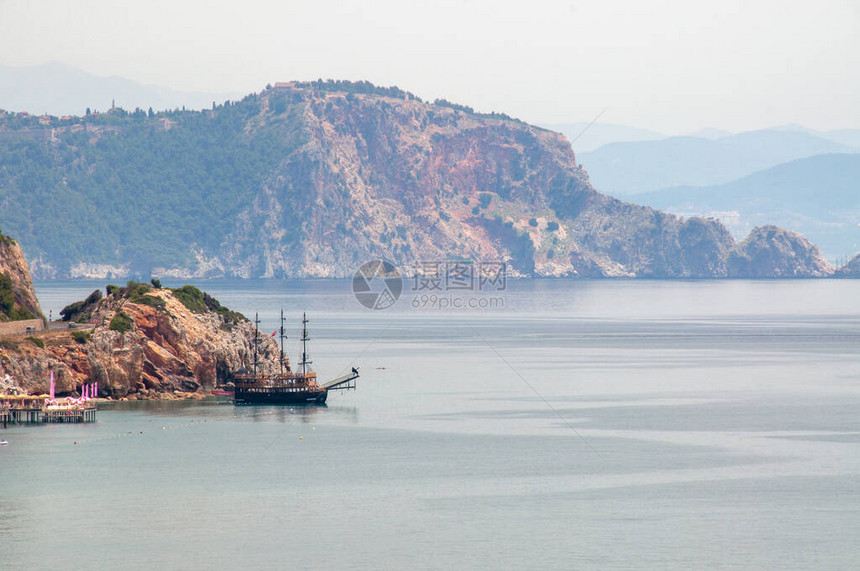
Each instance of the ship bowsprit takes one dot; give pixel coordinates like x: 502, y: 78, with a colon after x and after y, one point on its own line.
x: 342, y: 383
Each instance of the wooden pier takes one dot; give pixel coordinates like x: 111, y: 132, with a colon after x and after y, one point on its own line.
x: 32, y: 412
x: 87, y: 414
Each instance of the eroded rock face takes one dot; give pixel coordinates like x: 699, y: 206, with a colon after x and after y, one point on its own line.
x: 14, y: 265
x: 773, y: 252
x: 411, y: 182
x: 167, y: 349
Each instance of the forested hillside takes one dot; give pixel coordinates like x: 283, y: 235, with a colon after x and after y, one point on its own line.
x: 135, y: 188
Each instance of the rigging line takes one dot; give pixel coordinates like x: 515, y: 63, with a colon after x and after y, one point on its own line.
x: 357, y: 357
x: 581, y: 133
x: 276, y: 438
x: 534, y: 390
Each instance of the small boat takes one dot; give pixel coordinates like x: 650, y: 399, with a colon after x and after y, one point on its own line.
x: 3, y: 443
x: 222, y: 393
x: 287, y: 387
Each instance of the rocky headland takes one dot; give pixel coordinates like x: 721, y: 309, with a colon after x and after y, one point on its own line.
x: 773, y: 252
x: 138, y: 341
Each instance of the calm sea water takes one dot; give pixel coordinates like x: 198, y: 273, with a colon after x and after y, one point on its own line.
x: 593, y: 425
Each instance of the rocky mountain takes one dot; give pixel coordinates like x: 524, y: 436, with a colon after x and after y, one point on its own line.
x: 145, y: 343
x: 773, y: 252
x: 17, y: 296
x: 312, y: 179
x: 818, y: 196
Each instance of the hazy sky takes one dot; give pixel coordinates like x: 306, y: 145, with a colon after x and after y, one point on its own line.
x: 672, y: 66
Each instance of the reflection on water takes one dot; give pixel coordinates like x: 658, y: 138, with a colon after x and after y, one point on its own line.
x: 222, y: 409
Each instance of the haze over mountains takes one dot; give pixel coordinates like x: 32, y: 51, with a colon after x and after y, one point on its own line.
x: 818, y: 196
x: 791, y: 176
x: 59, y: 89
x: 630, y: 168
x: 586, y: 136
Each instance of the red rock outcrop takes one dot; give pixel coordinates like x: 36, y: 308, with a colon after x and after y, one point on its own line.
x: 168, y: 348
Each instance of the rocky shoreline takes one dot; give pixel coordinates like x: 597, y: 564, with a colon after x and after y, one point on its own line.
x: 140, y: 342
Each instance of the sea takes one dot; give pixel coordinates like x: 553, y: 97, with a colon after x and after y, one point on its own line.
x: 546, y: 424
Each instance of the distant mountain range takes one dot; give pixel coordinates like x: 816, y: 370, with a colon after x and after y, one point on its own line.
x: 57, y: 89
x: 818, y: 196
x: 627, y: 169
x: 848, y: 137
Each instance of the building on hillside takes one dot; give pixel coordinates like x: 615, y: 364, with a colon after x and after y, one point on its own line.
x: 166, y: 124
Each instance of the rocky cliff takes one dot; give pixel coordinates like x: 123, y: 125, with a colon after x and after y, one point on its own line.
x: 17, y: 296
x: 411, y: 182
x: 311, y: 180
x: 146, y: 343
x: 773, y: 252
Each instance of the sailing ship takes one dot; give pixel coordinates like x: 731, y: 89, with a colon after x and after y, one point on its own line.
x: 287, y: 386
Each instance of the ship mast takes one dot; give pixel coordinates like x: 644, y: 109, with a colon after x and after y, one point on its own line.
x: 283, y: 336
x: 256, y: 340
x: 305, y: 339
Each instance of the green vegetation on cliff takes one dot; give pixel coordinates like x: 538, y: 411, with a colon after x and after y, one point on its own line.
x: 137, y: 293
x: 201, y: 302
x: 362, y: 87
x: 121, y: 322
x: 9, y: 310
x: 80, y: 311
x: 81, y: 336
x: 5, y: 240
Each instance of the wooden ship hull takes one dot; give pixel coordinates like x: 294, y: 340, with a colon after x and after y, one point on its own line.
x: 278, y: 395
x: 292, y: 388
x: 287, y: 387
